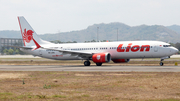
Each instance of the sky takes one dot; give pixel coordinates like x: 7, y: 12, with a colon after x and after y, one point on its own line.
x: 54, y: 16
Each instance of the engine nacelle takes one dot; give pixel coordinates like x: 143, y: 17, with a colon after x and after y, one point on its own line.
x: 121, y: 60
x: 101, y: 57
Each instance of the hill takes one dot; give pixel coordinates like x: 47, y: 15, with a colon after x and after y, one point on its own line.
x: 125, y: 32
x: 10, y: 34
x: 109, y: 32
x: 175, y: 28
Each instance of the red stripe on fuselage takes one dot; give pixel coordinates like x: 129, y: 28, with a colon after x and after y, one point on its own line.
x: 21, y: 31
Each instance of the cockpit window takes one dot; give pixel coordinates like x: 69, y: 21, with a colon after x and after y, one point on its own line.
x: 167, y: 46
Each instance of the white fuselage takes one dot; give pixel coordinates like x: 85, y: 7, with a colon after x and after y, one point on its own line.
x: 117, y: 50
x: 99, y: 52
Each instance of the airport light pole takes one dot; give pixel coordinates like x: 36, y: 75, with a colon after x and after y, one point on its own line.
x: 97, y: 33
x: 117, y: 34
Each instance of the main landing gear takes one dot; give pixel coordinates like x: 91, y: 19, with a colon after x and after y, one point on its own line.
x: 87, y: 63
x: 98, y: 64
x: 161, y: 63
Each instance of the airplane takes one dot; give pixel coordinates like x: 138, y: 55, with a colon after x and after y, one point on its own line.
x: 98, y: 52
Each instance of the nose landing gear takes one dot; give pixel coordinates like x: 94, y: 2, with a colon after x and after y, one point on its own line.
x: 161, y: 63
x: 162, y: 58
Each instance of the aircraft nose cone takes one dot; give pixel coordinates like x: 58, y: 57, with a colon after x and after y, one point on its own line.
x: 176, y: 50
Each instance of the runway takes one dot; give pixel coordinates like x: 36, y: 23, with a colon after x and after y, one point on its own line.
x: 92, y: 68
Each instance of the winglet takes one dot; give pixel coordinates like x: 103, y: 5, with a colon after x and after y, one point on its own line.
x: 37, y: 45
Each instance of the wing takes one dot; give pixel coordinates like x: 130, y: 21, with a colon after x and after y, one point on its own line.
x: 84, y: 55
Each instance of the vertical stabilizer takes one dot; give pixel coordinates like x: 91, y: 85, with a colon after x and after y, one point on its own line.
x: 28, y: 33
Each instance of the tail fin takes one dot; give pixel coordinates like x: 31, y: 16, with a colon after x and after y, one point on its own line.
x: 28, y: 34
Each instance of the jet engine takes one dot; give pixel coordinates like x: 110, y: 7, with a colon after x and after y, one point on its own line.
x: 121, y: 60
x: 101, y: 57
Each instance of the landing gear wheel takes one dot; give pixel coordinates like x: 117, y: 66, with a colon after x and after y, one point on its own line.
x: 161, y: 63
x: 87, y: 63
x: 98, y: 64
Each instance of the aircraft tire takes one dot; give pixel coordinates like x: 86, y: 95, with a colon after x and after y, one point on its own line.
x: 87, y: 63
x: 98, y: 64
x: 161, y: 63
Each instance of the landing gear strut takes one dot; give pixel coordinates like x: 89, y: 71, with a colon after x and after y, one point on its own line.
x: 161, y: 63
x: 87, y: 63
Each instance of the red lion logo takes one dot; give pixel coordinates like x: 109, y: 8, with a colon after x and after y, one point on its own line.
x: 28, y: 36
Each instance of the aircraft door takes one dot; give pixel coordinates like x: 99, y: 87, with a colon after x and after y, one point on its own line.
x: 155, y: 49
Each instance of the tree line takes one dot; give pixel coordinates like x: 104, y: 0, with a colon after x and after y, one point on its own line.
x: 12, y: 51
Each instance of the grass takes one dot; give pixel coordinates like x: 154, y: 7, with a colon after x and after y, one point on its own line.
x: 85, y: 95
x: 5, y: 94
x: 89, y: 86
x: 59, y: 96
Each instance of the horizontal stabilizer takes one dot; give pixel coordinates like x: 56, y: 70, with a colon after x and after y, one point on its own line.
x: 20, y: 47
